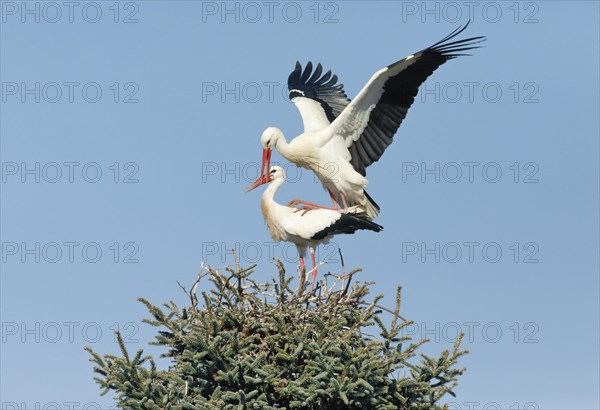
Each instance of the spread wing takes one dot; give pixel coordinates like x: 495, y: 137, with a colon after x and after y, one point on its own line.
x: 368, y: 123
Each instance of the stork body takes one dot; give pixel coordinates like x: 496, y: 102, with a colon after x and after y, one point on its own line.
x: 329, y: 159
x: 341, y: 137
x: 305, y: 230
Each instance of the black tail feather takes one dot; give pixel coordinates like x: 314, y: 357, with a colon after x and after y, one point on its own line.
x: 348, y: 224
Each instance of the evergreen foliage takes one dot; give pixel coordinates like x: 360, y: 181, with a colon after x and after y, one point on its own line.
x: 255, y: 345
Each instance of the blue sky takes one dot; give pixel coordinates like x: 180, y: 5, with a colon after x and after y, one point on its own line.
x: 130, y: 129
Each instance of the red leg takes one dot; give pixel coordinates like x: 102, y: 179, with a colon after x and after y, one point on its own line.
x: 343, y: 197
x: 345, y: 210
x: 314, y: 272
x: 309, y: 206
x: 294, y: 202
x: 335, y: 204
x: 302, y: 267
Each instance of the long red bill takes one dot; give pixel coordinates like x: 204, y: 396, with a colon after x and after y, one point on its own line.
x: 266, y: 161
x: 263, y: 179
x: 264, y: 171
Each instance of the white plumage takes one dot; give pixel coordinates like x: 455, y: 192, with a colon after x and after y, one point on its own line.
x: 305, y: 229
x: 342, y: 138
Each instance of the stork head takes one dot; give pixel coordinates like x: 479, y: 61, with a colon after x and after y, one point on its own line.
x: 269, y: 139
x: 276, y: 173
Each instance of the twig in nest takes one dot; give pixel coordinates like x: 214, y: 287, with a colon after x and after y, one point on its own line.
x: 343, y: 267
x: 235, y: 258
x: 192, y: 292
x: 350, y: 275
x: 237, y: 267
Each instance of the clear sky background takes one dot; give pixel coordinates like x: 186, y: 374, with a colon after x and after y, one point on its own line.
x: 489, y: 194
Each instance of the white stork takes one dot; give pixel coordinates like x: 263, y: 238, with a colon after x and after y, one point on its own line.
x: 305, y: 230
x: 342, y: 138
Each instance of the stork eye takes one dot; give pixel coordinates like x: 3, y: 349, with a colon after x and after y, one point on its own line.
x: 273, y: 171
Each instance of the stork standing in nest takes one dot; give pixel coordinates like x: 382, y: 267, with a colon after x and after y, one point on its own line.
x: 305, y: 229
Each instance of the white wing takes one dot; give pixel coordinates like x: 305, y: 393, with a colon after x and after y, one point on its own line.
x: 321, y: 223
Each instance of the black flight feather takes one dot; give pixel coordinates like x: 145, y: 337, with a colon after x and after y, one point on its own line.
x: 348, y: 224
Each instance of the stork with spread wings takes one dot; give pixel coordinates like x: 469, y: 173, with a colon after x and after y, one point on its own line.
x: 341, y: 137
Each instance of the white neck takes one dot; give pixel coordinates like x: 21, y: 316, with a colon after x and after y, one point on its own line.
x: 282, y: 146
x: 269, y: 194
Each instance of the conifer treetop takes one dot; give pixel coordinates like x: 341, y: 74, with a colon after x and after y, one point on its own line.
x: 241, y: 344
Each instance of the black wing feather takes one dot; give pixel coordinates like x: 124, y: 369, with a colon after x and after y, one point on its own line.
x: 324, y: 90
x: 399, y: 94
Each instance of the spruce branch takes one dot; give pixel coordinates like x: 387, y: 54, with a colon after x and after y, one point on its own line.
x: 266, y: 345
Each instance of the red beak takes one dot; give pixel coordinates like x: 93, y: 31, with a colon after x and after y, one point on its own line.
x: 264, y: 171
x: 263, y: 179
